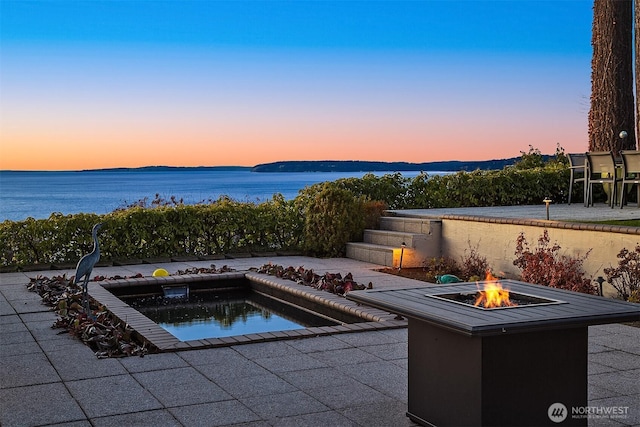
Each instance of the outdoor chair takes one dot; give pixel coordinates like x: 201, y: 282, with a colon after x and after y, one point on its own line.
x: 630, y: 172
x: 578, y: 170
x: 601, y: 169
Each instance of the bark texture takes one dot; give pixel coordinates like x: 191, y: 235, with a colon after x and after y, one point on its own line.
x: 612, y: 101
x: 637, y: 62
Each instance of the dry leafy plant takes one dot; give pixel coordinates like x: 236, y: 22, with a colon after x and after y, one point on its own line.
x: 544, y: 265
x: 625, y: 278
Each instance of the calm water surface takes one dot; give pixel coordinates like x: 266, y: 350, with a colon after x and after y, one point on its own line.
x: 39, y: 194
x: 217, y: 314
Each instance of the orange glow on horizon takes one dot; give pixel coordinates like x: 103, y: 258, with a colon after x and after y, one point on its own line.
x: 71, y: 120
x: 57, y: 149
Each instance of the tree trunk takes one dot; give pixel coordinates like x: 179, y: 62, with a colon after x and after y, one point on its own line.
x: 612, y: 103
x: 637, y: 63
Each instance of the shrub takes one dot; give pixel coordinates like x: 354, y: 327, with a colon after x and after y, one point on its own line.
x: 165, y: 230
x: 532, y: 159
x: 507, y: 187
x: 625, y: 278
x: 530, y: 181
x: 58, y: 239
x: 474, y: 267
x: 373, y: 211
x: 545, y: 266
x: 332, y: 217
x: 389, y: 188
x: 440, y: 266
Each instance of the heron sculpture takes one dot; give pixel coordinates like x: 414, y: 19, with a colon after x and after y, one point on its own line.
x: 85, y: 266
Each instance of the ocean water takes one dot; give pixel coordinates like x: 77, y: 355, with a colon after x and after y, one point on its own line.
x: 39, y: 194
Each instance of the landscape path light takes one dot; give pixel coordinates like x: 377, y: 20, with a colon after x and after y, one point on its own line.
x: 600, y: 281
x: 402, y: 246
x: 547, y: 201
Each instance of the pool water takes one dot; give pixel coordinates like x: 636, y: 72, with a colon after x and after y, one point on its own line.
x: 224, y: 314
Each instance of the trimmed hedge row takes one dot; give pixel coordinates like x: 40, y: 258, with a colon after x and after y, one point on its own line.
x: 507, y: 187
x: 319, y: 221
x: 224, y: 226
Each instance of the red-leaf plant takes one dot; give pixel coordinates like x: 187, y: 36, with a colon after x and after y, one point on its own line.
x: 546, y: 266
x: 625, y: 278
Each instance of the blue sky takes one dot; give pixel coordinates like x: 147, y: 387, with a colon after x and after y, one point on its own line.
x: 211, y: 83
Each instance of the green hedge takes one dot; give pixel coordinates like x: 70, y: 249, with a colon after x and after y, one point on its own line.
x: 319, y: 221
x: 224, y: 226
x: 333, y: 217
x: 508, y: 187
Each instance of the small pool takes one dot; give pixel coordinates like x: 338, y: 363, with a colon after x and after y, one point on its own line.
x: 229, y: 309
x: 224, y: 314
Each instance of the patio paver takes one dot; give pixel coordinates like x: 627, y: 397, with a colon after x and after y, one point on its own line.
x: 350, y: 379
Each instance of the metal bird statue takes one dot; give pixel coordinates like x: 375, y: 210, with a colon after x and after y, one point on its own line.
x: 85, y: 266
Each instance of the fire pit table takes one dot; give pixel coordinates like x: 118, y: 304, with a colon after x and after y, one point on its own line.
x: 523, y: 364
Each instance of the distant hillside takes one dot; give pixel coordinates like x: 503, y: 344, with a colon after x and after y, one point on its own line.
x: 361, y: 166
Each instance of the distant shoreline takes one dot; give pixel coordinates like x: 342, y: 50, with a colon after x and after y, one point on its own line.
x: 323, y: 166
x: 366, y: 166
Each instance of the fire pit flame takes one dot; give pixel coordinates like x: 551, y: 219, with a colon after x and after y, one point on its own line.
x: 493, y: 295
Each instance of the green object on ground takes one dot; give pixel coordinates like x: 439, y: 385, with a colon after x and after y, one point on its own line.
x: 447, y: 278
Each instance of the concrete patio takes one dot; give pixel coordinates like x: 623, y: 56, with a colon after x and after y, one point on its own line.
x: 350, y: 379
x: 557, y: 212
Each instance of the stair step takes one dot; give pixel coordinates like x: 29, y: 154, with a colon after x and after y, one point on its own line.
x: 388, y: 256
x: 369, y: 252
x: 392, y: 238
x: 421, y: 236
x: 409, y: 225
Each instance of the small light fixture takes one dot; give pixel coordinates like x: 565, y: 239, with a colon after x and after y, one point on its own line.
x: 547, y: 201
x: 402, y: 246
x: 600, y: 281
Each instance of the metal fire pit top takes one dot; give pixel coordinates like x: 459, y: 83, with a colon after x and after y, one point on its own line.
x: 469, y: 298
x: 570, y: 309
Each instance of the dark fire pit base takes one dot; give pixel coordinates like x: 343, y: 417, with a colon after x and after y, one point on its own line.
x: 501, y: 380
x: 471, y: 366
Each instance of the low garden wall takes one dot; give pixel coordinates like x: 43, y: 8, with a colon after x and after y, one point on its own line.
x: 496, y: 238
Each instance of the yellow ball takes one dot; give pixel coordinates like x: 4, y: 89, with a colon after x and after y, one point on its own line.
x: 160, y: 272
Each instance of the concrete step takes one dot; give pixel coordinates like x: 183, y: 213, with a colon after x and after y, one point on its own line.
x: 388, y: 256
x: 392, y: 238
x: 410, y: 225
x: 369, y: 252
x: 422, y: 238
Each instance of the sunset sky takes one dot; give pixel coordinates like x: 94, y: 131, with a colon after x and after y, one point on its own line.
x: 96, y: 84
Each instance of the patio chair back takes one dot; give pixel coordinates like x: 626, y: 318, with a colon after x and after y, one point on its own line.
x: 630, y: 171
x: 601, y: 169
x: 578, y: 173
x: 630, y: 162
